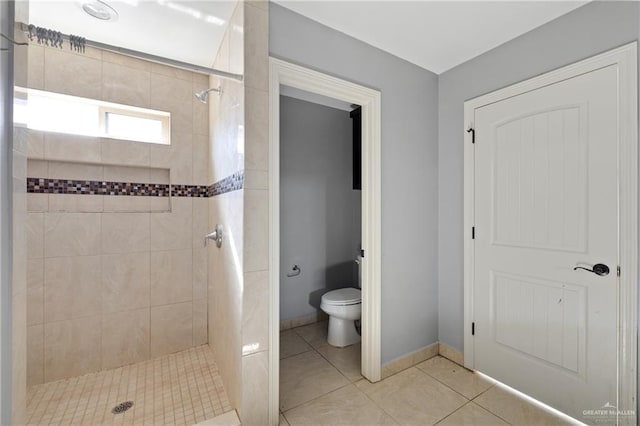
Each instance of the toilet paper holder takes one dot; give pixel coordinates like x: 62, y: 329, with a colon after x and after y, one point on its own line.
x: 215, y: 236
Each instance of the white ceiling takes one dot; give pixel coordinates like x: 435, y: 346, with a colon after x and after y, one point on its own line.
x: 436, y: 35
x: 188, y: 31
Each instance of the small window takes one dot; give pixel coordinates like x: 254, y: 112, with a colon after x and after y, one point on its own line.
x: 53, y: 112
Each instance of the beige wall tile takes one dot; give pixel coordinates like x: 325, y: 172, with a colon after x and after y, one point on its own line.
x: 256, y: 129
x: 126, y: 203
x: 159, y: 175
x: 172, y: 72
x: 71, y: 234
x: 127, y: 174
x: 125, y: 281
x: 200, y: 221
x: 76, y: 171
x: 172, y: 231
x: 171, y: 328
x: 60, y: 146
x: 200, y: 161
x: 127, y: 61
x: 255, y: 382
x: 173, y: 95
x: 72, y: 74
x: 199, y: 322
x: 125, y: 232
x: 256, y: 230
x: 35, y: 69
x: 35, y: 355
x: 74, y: 203
x: 35, y: 273
x: 200, y: 267
x: 72, y: 348
x: 125, y: 338
x: 256, y: 179
x: 120, y: 152
x: 255, y: 312
x: 256, y: 45
x: 35, y: 235
x: 37, y: 202
x: 177, y: 157
x: 71, y: 287
x: 37, y: 168
x: 159, y: 204
x: 125, y: 85
x: 35, y: 144
x: 171, y: 277
x: 35, y: 305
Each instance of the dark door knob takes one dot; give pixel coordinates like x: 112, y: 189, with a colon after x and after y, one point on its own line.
x: 598, y: 269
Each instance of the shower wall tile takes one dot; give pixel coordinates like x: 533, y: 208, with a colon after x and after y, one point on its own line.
x: 127, y: 61
x: 125, y: 232
x: 125, y: 338
x: 73, y: 203
x: 172, y: 72
x: 171, y: 277
x: 126, y: 281
x: 72, y: 74
x: 256, y: 47
x: 35, y: 68
x: 199, y: 322
x: 72, y: 348
x: 35, y: 354
x: 35, y: 235
x: 83, y: 149
x: 236, y: 41
x: 37, y: 202
x: 172, y: 230
x: 256, y: 230
x: 35, y: 144
x: 71, y: 234
x: 72, y: 171
x: 200, y: 222
x: 150, y: 267
x: 124, y: 152
x: 171, y: 328
x: 35, y: 305
x: 255, y: 312
x: 257, y: 130
x: 126, y: 85
x: 70, y: 289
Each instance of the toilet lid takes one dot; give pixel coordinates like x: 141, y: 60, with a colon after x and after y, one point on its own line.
x: 342, y: 296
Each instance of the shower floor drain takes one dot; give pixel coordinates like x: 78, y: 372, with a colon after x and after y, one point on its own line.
x: 122, y: 407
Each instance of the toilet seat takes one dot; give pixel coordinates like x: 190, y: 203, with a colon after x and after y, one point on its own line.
x: 342, y: 297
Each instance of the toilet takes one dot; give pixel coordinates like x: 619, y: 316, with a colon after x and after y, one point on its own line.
x: 344, y: 307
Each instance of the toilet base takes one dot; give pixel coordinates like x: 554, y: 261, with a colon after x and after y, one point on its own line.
x: 342, y: 332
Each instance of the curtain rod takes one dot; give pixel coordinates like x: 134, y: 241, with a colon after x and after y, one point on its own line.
x: 150, y: 57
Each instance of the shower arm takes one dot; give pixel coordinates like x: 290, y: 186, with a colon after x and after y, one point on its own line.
x: 152, y: 58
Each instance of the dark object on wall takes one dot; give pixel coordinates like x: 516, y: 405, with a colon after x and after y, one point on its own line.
x: 356, y: 116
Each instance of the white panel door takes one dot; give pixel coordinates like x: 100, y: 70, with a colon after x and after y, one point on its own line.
x: 545, y: 203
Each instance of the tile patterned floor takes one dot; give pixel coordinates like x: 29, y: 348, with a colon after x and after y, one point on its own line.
x: 321, y: 385
x: 178, y: 389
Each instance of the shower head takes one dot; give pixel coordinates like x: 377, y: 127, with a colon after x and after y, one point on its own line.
x: 204, y: 95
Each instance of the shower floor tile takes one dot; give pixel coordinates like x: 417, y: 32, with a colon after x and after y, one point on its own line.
x: 184, y: 388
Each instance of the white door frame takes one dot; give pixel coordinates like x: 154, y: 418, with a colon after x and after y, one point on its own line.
x: 282, y: 72
x: 625, y: 59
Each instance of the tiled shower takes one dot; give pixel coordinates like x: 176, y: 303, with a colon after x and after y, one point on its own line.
x: 119, y: 278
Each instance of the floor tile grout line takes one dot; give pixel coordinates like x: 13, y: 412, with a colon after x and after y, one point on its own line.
x: 448, y: 386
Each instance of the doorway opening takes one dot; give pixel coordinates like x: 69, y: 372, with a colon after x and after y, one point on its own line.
x: 331, y: 89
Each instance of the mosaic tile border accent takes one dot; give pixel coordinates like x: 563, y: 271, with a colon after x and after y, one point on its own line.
x: 228, y: 184
x: 90, y: 187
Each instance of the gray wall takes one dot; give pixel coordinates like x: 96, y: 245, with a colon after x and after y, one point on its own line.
x: 591, y: 29
x: 6, y: 147
x: 319, y: 209
x: 409, y: 168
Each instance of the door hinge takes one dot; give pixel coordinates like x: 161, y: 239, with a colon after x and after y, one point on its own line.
x: 618, y: 270
x: 473, y: 134
x: 473, y: 328
x: 473, y: 232
x: 361, y: 252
